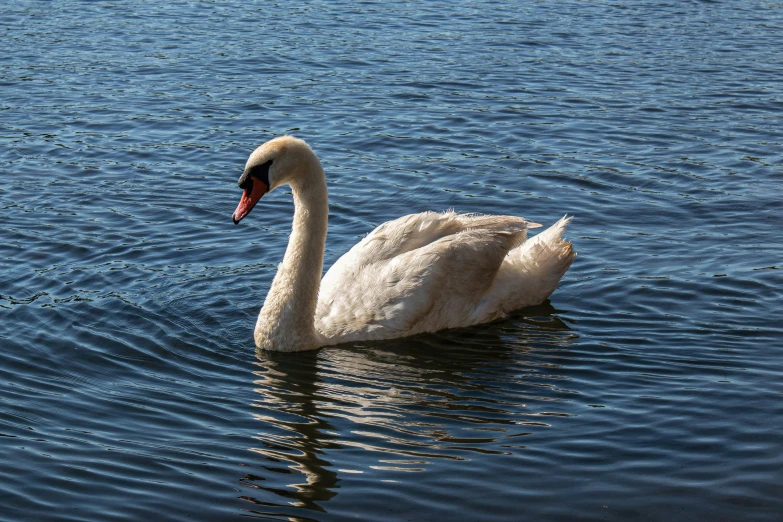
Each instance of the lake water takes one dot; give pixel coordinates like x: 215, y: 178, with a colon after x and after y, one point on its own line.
x: 650, y: 387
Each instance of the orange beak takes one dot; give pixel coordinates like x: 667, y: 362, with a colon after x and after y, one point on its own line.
x: 250, y: 197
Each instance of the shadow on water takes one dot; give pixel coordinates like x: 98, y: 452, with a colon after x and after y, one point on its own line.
x: 404, y: 405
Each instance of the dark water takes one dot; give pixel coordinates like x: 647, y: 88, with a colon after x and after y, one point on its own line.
x: 649, y: 388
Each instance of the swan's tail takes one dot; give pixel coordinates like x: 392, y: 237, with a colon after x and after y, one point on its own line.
x: 531, y: 272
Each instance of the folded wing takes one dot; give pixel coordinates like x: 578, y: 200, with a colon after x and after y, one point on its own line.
x: 419, y: 273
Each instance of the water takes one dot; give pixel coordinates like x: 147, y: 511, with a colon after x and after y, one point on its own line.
x: 648, y: 388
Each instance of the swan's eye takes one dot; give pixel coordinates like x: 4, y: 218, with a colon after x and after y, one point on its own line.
x: 261, y: 172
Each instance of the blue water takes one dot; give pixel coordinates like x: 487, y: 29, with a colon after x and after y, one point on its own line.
x: 650, y: 386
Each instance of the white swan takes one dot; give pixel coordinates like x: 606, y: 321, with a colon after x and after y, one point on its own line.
x: 419, y: 273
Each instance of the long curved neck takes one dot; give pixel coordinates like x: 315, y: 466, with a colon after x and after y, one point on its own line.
x: 287, y: 319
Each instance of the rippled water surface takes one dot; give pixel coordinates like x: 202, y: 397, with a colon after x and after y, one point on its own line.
x: 650, y: 386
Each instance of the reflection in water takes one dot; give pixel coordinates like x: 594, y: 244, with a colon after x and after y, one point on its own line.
x: 289, y: 385
x: 409, y: 403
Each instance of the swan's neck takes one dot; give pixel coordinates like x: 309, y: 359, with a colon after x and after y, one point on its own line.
x: 286, y: 321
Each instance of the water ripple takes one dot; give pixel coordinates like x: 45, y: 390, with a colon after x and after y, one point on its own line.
x: 648, y: 388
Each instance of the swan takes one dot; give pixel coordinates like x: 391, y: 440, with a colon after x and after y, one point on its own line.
x: 418, y: 273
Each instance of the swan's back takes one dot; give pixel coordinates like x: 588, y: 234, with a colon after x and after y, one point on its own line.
x: 430, y: 271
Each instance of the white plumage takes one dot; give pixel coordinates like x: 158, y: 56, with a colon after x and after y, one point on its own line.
x: 419, y: 273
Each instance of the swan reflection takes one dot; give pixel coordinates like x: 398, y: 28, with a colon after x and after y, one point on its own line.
x: 406, y: 405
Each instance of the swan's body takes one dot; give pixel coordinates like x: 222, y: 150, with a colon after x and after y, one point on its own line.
x: 419, y: 273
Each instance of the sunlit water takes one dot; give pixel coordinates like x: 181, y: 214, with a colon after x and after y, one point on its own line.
x: 650, y: 387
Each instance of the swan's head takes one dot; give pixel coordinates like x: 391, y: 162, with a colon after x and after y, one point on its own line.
x: 277, y: 162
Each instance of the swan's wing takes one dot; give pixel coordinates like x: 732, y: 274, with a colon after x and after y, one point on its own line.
x: 404, y: 234
x: 419, y: 273
x: 414, y: 231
